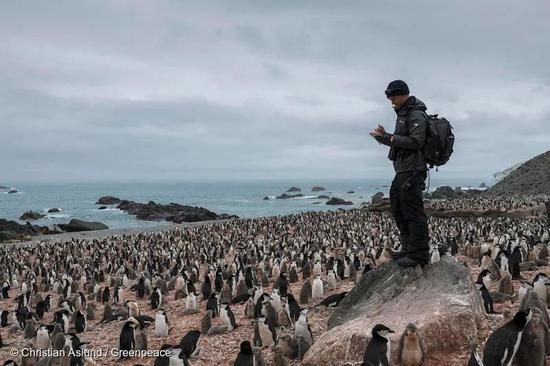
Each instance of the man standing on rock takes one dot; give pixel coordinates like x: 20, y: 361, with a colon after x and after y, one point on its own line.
x: 410, y: 167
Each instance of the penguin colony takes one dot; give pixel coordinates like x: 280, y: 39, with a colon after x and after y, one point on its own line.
x: 257, y: 291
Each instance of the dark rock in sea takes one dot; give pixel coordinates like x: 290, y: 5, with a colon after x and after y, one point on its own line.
x: 13, y: 191
x: 338, y: 201
x: 316, y: 203
x: 323, y: 197
x: 266, y: 198
x: 103, y: 208
x: 54, y: 210
x: 31, y: 215
x: 2, y: 187
x: 173, y: 212
x: 351, y: 192
x: 12, y: 230
x: 294, y: 189
x: 318, y: 189
x: 285, y: 196
x: 445, y: 192
x: 431, y: 298
x: 483, y: 185
x: 377, y: 198
x: 108, y: 200
x: 79, y: 225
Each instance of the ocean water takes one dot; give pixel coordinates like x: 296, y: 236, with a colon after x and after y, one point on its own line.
x: 244, y: 199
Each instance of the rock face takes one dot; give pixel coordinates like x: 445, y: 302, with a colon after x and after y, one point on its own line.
x: 79, y: 225
x: 54, y: 210
x: 31, y: 215
x: 531, y: 177
x: 286, y: 196
x: 338, y: 201
x: 12, y: 230
x: 108, y: 200
x: 440, y: 300
x: 294, y: 189
x: 318, y: 189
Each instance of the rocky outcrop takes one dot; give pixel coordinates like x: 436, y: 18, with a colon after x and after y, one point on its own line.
x: 78, y: 225
x: 54, y: 210
x: 445, y: 192
x: 173, y: 212
x: 103, y: 208
x: 440, y: 300
x: 13, y: 191
x: 12, y: 230
x: 336, y: 201
x: 2, y: 187
x: 31, y: 215
x: 293, y: 189
x: 531, y: 177
x: 286, y: 196
x: 108, y: 200
x: 483, y: 185
x: 377, y: 198
x: 318, y: 189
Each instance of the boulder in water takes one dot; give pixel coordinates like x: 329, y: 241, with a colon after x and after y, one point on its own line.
x: 377, y: 198
x: 108, y: 200
x: 31, y: 215
x: 351, y: 192
x: 445, y: 192
x: 440, y: 300
x: 103, y: 208
x: 79, y: 225
x: 294, y: 189
x: 54, y: 210
x: 285, y: 196
x: 13, y: 191
x: 323, y: 197
x: 335, y: 201
x: 318, y: 189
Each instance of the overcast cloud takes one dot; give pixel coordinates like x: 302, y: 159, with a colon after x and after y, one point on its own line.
x: 110, y: 90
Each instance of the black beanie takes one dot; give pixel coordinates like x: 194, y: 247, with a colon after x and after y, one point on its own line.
x: 397, y: 87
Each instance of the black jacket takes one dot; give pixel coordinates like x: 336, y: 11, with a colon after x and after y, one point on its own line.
x: 409, y: 137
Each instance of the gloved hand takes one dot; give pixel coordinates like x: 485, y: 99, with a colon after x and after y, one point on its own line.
x: 384, y: 138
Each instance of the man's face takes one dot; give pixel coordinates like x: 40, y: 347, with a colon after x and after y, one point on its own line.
x: 398, y: 100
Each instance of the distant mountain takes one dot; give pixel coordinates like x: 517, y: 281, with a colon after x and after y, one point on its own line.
x: 531, y: 177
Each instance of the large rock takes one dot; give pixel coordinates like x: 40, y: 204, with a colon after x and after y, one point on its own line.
x: 445, y: 192
x: 13, y: 191
x: 31, y: 215
x: 12, y: 230
x: 293, y: 189
x: 54, y: 210
x: 286, y: 196
x: 318, y: 189
x: 173, y: 212
x: 440, y: 300
x: 377, y: 198
x: 108, y: 200
x: 336, y: 201
x: 79, y: 225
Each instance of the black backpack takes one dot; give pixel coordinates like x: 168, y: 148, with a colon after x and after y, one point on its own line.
x: 439, y: 143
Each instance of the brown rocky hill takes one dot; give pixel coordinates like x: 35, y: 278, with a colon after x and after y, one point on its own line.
x: 532, y: 177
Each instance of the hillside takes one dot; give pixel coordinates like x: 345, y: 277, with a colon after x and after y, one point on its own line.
x: 532, y: 177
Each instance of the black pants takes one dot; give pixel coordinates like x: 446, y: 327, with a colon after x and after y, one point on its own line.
x: 407, y: 209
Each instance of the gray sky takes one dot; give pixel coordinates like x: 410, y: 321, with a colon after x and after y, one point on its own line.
x: 110, y: 90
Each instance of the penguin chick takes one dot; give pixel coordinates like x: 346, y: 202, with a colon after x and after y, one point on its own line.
x: 278, y: 357
x: 411, y: 350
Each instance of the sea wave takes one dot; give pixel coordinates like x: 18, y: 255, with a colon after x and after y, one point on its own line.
x: 57, y: 216
x: 304, y: 197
